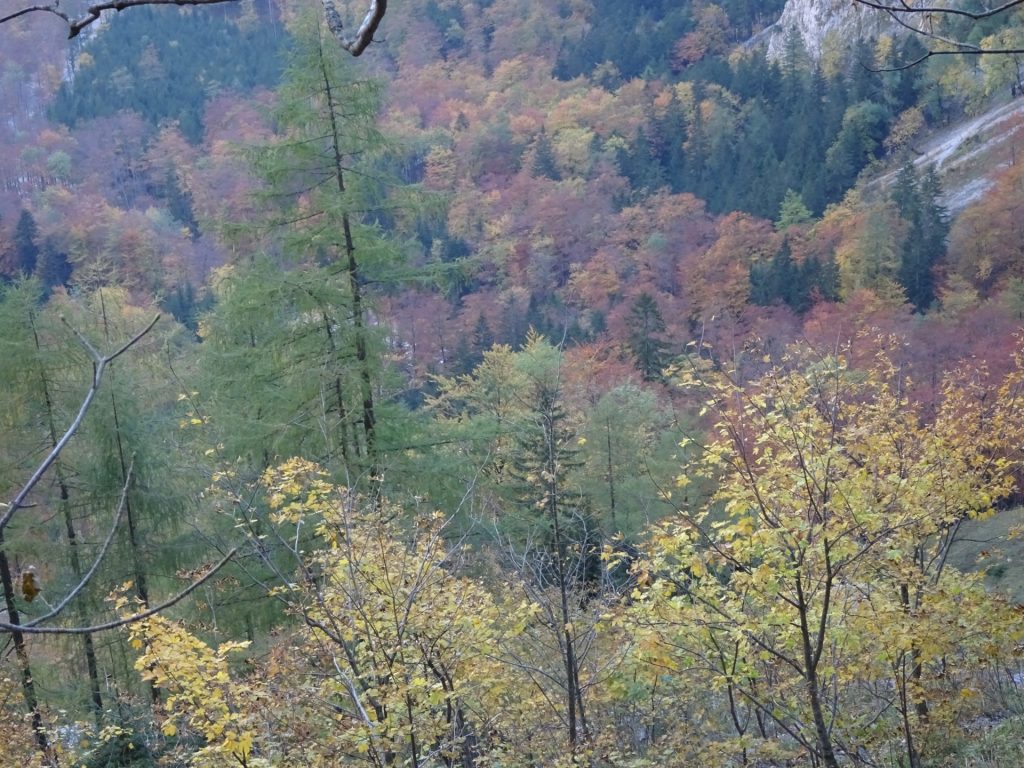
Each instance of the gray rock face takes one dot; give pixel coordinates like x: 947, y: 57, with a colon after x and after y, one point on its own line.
x: 818, y: 20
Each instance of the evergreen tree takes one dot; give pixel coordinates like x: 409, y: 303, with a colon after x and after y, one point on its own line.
x: 771, y: 282
x: 781, y: 281
x: 326, y: 186
x: 164, y: 63
x: 483, y: 339
x: 647, y: 327
x: 917, y: 200
x: 545, y: 455
x: 53, y: 268
x: 544, y: 163
x: 792, y: 211
x: 26, y: 247
x: 667, y: 130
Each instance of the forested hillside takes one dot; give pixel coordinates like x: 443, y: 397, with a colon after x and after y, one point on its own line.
x: 561, y: 382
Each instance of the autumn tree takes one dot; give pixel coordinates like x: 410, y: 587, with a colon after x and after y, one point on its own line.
x: 836, y: 506
x: 393, y: 660
x: 984, y: 241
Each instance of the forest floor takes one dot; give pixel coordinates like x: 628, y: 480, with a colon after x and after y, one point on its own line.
x: 990, y: 545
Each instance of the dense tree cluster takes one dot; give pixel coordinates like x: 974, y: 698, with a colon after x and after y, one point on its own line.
x: 159, y: 76
x: 571, y: 399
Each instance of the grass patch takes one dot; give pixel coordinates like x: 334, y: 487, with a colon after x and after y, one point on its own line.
x: 985, y: 546
x: 999, y: 747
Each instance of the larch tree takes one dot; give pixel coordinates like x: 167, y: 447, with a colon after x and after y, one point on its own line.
x: 305, y: 305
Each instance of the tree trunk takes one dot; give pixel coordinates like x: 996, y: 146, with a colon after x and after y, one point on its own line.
x: 88, y: 648
x: 28, y: 688
x: 352, y: 266
x: 810, y: 654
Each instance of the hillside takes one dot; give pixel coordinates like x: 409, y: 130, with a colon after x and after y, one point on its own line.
x: 970, y: 155
x: 559, y: 383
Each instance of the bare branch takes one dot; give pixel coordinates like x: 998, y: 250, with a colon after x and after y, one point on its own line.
x: 34, y: 9
x: 29, y: 629
x: 906, y: 8
x: 94, y: 11
x: 100, y: 363
x: 95, y: 563
x: 364, y: 35
x: 902, y: 12
x: 929, y: 54
x: 355, y: 44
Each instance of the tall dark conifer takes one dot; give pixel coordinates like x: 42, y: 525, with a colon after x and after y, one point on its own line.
x: 646, y: 337
x: 26, y: 244
x: 544, y: 163
x: 918, y: 201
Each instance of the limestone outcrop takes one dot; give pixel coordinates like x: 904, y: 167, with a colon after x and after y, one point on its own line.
x: 816, y: 21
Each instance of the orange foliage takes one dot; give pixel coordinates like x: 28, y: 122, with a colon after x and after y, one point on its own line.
x: 986, y: 243
x: 718, y: 279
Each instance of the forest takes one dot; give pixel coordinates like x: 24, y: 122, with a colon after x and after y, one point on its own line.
x: 607, y: 383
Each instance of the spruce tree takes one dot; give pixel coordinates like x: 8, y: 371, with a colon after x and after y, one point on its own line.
x: 544, y: 163
x: 792, y: 211
x: 53, y: 268
x: 917, y: 200
x: 650, y: 350
x: 558, y: 515
x: 26, y: 246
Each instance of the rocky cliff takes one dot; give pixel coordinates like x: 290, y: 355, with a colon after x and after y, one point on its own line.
x: 816, y: 21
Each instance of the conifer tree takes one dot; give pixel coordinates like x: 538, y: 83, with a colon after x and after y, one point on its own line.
x: 917, y: 200
x: 26, y: 246
x: 650, y: 350
x: 544, y: 163
x: 544, y: 457
x: 792, y: 211
x: 53, y: 268
x: 325, y: 194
